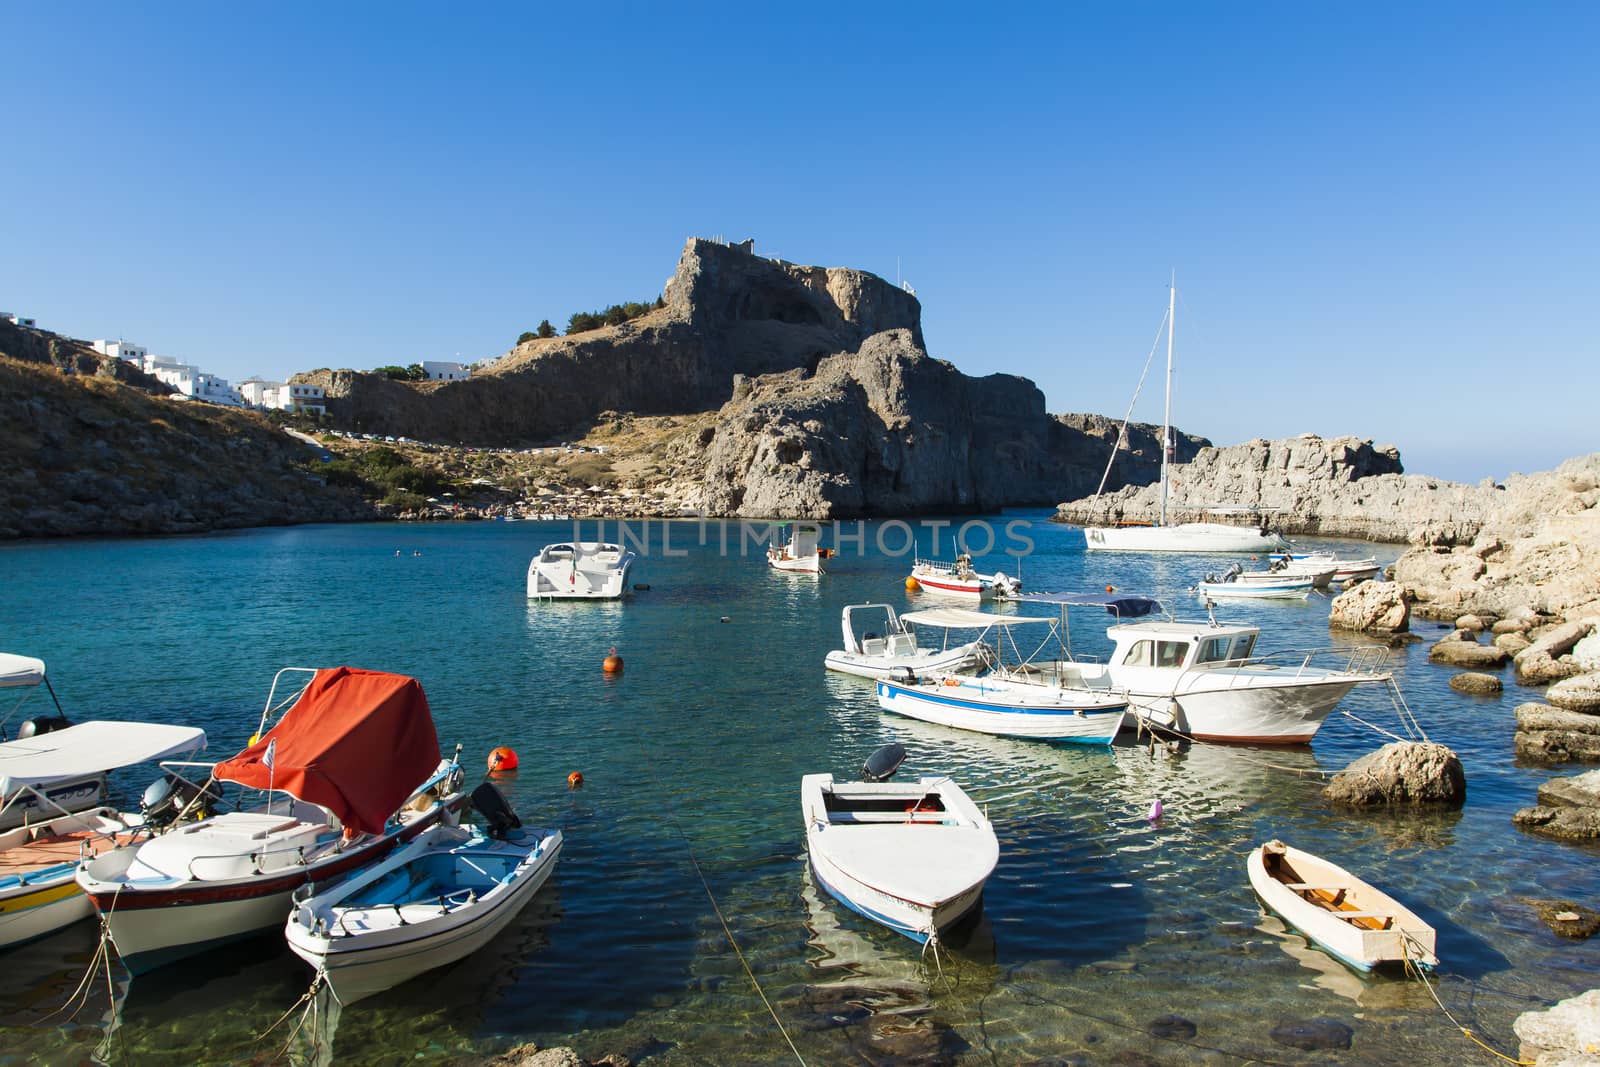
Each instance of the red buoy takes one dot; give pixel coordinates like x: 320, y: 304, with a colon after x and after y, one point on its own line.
x: 1110, y: 590
x: 574, y: 780
x: 613, y: 663
x: 503, y: 759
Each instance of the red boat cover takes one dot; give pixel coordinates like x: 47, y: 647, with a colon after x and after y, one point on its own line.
x: 357, y: 742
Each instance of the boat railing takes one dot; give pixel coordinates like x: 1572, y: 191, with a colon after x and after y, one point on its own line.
x: 1368, y: 661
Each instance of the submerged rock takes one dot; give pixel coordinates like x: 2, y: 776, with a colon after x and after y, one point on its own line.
x: 1568, y: 919
x: 1401, y: 772
x: 1313, y: 1034
x: 1459, y: 652
x: 1566, y: 1034
x: 1372, y: 607
x: 1475, y: 683
x: 1172, y: 1027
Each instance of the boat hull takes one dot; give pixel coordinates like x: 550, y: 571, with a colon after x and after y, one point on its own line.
x: 602, y: 574
x: 155, y: 924
x: 910, y: 919
x: 1183, y: 537
x: 1051, y: 714
x: 1262, y: 714
x: 41, y: 908
x: 801, y: 565
x: 359, y: 967
x: 1296, y: 589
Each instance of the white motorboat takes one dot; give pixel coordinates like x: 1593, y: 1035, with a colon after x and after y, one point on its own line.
x: 800, y: 552
x: 1012, y: 699
x: 1344, y: 570
x: 1259, y: 585
x: 349, y: 772
x: 23, y: 676
x: 1206, y: 535
x: 958, y: 578
x: 1321, y: 572
x: 580, y: 570
x: 1204, y: 680
x: 432, y: 902
x: 1349, y: 919
x: 913, y: 856
x: 877, y: 641
x: 39, y: 858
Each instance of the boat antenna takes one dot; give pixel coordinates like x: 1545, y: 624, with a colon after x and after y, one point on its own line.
x: 1166, y: 415
x: 1122, y: 431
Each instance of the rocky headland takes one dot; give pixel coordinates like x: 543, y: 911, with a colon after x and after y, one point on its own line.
x: 1329, y: 487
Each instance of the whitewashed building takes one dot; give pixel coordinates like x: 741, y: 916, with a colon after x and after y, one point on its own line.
x: 16, y: 320
x: 127, y: 350
x: 297, y: 397
x: 445, y: 372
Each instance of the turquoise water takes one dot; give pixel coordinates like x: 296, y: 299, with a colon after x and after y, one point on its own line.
x: 1096, y: 924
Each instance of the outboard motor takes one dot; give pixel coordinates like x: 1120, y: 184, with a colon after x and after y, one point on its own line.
x: 168, y: 795
x: 882, y: 764
x: 495, y: 809
x: 44, y: 724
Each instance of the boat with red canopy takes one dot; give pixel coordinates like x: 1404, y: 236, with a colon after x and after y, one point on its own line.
x: 349, y: 772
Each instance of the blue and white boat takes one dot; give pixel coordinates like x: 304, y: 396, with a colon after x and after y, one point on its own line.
x: 1012, y: 699
x: 913, y: 856
x: 435, y: 901
x: 1259, y: 585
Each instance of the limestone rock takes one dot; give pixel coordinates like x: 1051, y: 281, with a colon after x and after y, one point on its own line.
x: 1372, y: 607
x: 1576, y: 791
x: 1540, y: 662
x: 1459, y: 653
x: 1339, y: 487
x: 1566, y: 1035
x: 1567, y: 824
x: 1550, y: 735
x: 1470, y: 623
x: 1537, y: 547
x: 1519, y: 624
x: 1512, y: 642
x: 1401, y: 772
x: 1476, y: 684
x: 1586, y: 653
x: 1581, y: 692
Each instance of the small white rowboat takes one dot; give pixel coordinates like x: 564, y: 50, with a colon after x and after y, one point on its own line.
x: 1347, y: 918
x: 441, y: 898
x: 913, y: 856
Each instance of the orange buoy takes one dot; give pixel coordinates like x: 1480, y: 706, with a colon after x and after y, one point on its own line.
x: 613, y: 663
x: 574, y: 780
x: 503, y: 759
x: 912, y: 585
x: 1110, y: 590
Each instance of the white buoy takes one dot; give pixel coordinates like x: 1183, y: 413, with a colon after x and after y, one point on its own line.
x: 1155, y: 810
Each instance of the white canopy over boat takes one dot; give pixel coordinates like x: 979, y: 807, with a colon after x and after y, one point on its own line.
x: 90, y: 748
x: 966, y: 618
x: 19, y: 671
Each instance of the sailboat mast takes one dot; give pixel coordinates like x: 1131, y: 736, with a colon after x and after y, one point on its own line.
x: 1166, y: 415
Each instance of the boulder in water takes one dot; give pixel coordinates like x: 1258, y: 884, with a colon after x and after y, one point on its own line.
x: 1401, y: 772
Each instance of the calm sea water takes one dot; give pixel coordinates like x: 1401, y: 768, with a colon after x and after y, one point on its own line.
x: 1097, y: 923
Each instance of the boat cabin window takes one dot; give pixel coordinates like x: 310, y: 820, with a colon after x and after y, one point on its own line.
x: 1155, y: 654
x: 1214, y: 650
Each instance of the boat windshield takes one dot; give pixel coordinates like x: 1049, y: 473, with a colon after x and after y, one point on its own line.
x: 1156, y: 654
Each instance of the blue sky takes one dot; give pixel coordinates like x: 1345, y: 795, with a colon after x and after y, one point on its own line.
x: 1382, y: 217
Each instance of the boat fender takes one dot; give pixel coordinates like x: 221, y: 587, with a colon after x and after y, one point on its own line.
x: 44, y: 724
x: 952, y: 681
x: 495, y: 809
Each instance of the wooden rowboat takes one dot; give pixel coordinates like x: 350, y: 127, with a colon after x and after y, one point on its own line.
x: 1347, y: 918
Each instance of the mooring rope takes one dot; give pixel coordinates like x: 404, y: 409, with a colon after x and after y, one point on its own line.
x: 1406, y: 941
x: 689, y: 847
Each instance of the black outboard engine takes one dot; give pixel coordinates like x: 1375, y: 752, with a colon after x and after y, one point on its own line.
x: 495, y: 809
x: 44, y: 724
x: 169, y: 795
x: 882, y: 764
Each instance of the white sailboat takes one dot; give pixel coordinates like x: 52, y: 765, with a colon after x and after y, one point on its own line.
x: 1184, y: 536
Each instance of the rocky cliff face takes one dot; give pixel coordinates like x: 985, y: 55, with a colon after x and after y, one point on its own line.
x: 1537, y: 552
x: 727, y: 312
x: 889, y: 430
x: 88, y: 455
x: 70, y: 356
x: 1341, y: 487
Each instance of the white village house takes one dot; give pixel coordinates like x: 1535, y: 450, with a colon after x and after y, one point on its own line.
x: 445, y: 372
x: 187, y: 378
x: 296, y: 397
